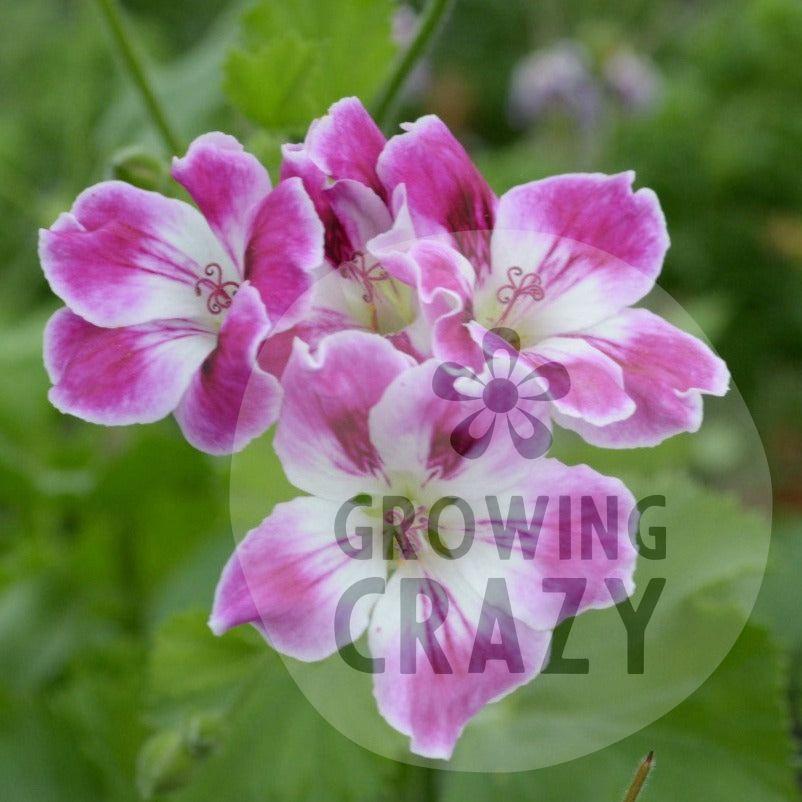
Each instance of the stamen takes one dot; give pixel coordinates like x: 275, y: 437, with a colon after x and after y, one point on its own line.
x: 529, y: 285
x: 221, y: 292
x: 412, y: 536
x: 367, y: 275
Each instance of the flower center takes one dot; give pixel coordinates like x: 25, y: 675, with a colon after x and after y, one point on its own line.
x: 221, y: 293
x: 410, y: 532
x: 366, y: 274
x: 519, y: 285
x: 388, y: 302
x: 500, y: 395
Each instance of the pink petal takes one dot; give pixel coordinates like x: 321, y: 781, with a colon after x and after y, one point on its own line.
x: 322, y: 437
x: 595, y: 246
x: 596, y: 393
x: 446, y: 193
x: 444, y: 280
x: 581, y: 531
x: 228, y: 185
x: 288, y: 576
x: 432, y: 700
x: 316, y: 325
x: 445, y: 290
x: 296, y: 163
x: 125, y: 256
x: 665, y: 371
x: 413, y: 429
x: 392, y: 245
x: 360, y: 211
x: 231, y: 400
x: 134, y: 374
x: 346, y: 143
x: 286, y: 245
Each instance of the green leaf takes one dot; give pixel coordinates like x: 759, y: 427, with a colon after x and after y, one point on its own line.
x: 729, y: 740
x: 190, y: 670
x: 299, y: 56
x: 38, y: 758
x: 233, y: 725
x: 781, y: 594
x: 280, y: 102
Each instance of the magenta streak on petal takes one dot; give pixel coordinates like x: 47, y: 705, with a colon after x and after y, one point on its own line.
x: 361, y: 456
x: 184, y: 274
x: 471, y: 227
x: 338, y: 246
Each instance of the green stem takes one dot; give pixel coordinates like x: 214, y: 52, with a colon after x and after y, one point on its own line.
x: 113, y: 16
x: 640, y: 778
x: 417, y: 783
x: 433, y: 16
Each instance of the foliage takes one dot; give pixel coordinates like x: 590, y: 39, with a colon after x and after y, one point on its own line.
x: 299, y: 56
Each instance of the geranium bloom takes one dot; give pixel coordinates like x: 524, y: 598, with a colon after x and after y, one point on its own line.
x: 337, y: 163
x: 560, y: 261
x: 360, y: 422
x: 167, y: 306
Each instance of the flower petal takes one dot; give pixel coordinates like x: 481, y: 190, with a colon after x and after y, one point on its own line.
x: 432, y: 685
x: 228, y: 185
x: 125, y: 256
x: 665, y: 372
x: 594, y: 246
x: 420, y: 433
x: 231, y: 400
x: 288, y: 576
x: 560, y: 523
x: 322, y: 437
x: 286, y: 245
x: 346, y: 143
x: 317, y: 324
x: 445, y: 192
x: 445, y: 282
x: 360, y: 211
x: 443, y: 278
x: 134, y: 374
x: 596, y: 393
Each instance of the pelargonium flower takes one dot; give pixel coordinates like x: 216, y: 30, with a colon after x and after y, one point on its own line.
x: 167, y: 306
x: 338, y: 165
x: 360, y: 423
x: 560, y: 261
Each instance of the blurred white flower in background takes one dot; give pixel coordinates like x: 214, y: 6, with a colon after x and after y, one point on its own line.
x: 633, y: 79
x: 566, y: 79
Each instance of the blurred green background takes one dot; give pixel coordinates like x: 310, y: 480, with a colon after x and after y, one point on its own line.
x: 111, y: 687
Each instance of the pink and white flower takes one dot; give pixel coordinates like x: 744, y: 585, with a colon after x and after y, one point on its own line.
x: 167, y: 306
x: 361, y: 423
x: 401, y: 300
x: 561, y: 261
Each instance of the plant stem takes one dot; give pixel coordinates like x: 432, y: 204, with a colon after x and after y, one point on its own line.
x: 431, y: 19
x: 113, y: 16
x: 417, y: 783
x: 640, y: 778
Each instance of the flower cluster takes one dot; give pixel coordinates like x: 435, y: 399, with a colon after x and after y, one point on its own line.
x: 415, y: 337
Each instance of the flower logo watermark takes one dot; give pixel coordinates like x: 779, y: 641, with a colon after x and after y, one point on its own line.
x: 507, y: 388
